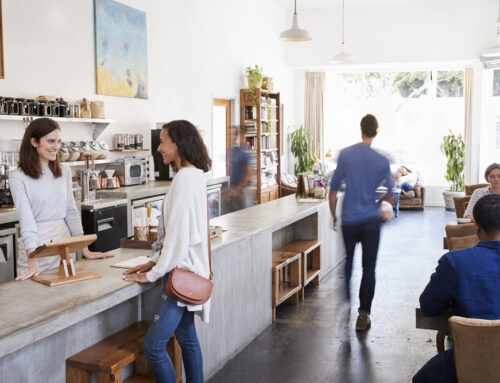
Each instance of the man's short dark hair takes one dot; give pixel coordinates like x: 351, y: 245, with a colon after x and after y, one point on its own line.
x: 486, y: 213
x: 369, y: 125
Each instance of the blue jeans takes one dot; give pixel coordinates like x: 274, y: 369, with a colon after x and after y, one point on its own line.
x: 368, y: 233
x: 405, y: 186
x: 438, y: 369
x: 170, y: 318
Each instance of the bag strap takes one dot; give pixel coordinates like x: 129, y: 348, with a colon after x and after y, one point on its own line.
x: 209, y: 245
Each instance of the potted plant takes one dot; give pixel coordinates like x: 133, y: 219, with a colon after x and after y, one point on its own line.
x: 254, y: 79
x: 453, y: 148
x: 300, y: 145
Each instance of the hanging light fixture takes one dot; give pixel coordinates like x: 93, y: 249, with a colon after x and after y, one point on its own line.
x: 343, y: 57
x: 295, y: 33
x: 494, y: 52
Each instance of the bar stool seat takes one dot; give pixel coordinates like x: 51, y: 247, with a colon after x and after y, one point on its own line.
x: 109, y: 356
x: 285, y: 286
x: 311, y: 260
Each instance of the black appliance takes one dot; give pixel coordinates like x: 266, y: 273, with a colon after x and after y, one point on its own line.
x: 7, y: 254
x: 109, y: 223
x: 162, y: 171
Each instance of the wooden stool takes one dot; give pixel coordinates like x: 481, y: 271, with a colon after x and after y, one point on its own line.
x: 285, y: 287
x: 109, y: 356
x: 311, y: 260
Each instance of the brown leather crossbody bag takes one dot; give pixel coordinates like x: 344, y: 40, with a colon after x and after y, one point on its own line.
x: 188, y: 287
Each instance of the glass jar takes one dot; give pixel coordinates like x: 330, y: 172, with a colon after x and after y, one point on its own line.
x: 63, y: 153
x: 103, y: 154
x: 85, y: 150
x: 74, y: 151
x: 94, y: 149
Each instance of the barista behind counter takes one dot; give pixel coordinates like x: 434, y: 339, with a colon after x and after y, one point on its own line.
x: 43, y: 197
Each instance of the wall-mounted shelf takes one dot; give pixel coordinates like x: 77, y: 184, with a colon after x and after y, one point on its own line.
x: 98, y: 124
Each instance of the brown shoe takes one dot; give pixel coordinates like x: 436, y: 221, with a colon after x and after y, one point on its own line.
x: 363, y: 323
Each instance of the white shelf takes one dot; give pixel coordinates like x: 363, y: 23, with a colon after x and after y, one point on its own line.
x: 98, y: 124
x: 82, y: 163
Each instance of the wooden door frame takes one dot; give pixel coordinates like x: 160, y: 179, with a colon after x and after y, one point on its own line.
x: 226, y: 104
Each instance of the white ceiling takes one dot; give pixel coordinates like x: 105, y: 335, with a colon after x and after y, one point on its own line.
x: 317, y: 4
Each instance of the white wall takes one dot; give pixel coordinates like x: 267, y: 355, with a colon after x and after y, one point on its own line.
x: 196, y: 50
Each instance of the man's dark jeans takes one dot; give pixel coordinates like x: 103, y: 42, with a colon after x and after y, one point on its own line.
x: 368, y: 233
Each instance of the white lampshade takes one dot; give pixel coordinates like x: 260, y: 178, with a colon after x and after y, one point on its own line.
x: 492, y: 52
x: 343, y: 58
x: 295, y: 33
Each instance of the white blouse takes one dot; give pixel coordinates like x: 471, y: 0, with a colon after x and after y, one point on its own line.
x: 43, y: 200
x: 185, y: 221
x: 476, y: 196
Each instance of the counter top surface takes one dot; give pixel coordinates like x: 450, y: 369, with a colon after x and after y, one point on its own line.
x: 271, y: 215
x: 32, y: 311
x: 29, y: 304
x: 103, y: 203
x: 8, y: 215
x: 149, y: 189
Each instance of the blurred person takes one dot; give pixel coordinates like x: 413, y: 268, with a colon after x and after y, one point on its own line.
x: 465, y: 281
x: 240, y: 170
x: 492, y: 176
x: 363, y: 170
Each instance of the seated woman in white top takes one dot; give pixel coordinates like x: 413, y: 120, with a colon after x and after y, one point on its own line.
x: 406, y: 179
x: 185, y: 245
x: 43, y: 197
x: 492, y: 176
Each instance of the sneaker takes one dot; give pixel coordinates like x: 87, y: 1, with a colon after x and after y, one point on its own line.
x: 363, y: 323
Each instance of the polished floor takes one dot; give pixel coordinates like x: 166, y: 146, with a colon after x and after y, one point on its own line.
x: 315, y: 341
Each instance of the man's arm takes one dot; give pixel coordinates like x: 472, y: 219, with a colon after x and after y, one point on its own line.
x: 437, y: 295
x: 332, y: 199
x: 389, y: 196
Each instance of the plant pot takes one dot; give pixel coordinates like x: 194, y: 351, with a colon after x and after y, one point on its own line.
x: 254, y: 81
x: 448, y: 199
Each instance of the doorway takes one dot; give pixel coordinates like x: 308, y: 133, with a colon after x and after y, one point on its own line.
x: 221, y: 124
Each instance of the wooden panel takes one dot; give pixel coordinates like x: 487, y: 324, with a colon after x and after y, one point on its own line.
x: 265, y: 197
x: 54, y: 279
x: 77, y: 375
x: 302, y: 246
x: 112, y: 353
x: 274, y: 194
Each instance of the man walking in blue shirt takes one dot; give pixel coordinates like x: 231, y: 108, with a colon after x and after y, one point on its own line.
x: 363, y: 170
x: 467, y: 282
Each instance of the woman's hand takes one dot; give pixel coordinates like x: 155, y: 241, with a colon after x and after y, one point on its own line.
x: 33, y: 269
x: 95, y: 254
x: 144, y: 268
x: 139, y: 277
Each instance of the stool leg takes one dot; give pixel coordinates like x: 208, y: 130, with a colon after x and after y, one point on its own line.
x: 295, y: 273
x: 142, y: 366
x: 440, y: 340
x: 274, y: 314
x: 77, y: 375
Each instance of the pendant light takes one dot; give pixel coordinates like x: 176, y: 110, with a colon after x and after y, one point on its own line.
x: 295, y: 33
x: 494, y: 52
x: 343, y: 57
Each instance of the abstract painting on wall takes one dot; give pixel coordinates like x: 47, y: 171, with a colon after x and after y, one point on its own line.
x: 121, y: 50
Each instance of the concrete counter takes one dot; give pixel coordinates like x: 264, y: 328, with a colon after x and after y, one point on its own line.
x: 42, y: 326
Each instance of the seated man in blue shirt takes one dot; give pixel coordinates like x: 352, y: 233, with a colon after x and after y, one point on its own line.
x: 467, y: 282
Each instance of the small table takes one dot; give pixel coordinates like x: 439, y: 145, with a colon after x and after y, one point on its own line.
x: 439, y: 323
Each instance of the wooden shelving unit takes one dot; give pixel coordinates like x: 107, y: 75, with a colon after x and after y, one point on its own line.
x: 260, y: 134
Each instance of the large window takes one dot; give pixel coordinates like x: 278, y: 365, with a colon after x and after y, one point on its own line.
x: 414, y: 109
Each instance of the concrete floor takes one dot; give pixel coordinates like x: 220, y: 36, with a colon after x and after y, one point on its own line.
x: 315, y: 341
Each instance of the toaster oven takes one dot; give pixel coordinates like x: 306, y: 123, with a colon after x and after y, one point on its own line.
x: 130, y: 171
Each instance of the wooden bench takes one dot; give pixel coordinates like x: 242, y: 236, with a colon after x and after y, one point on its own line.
x: 108, y: 357
x: 311, y: 260
x: 286, y: 278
